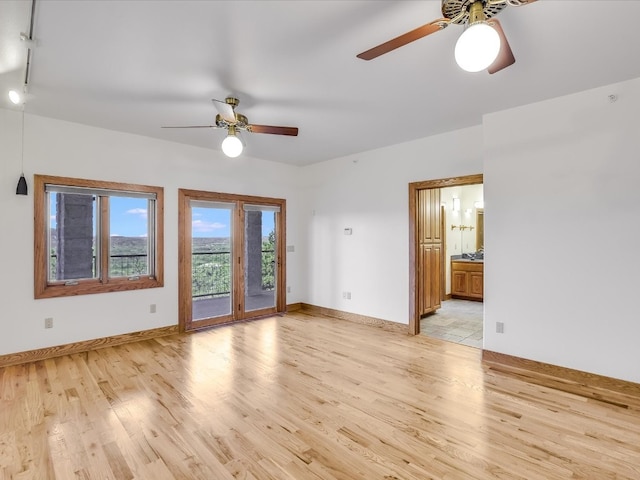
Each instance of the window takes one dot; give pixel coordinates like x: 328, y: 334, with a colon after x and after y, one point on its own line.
x: 93, y: 236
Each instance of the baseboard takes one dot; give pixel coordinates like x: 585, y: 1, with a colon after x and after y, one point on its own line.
x: 294, y: 307
x: 355, y: 318
x: 597, y: 387
x: 86, y: 345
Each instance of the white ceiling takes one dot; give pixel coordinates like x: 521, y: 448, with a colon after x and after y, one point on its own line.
x: 135, y: 66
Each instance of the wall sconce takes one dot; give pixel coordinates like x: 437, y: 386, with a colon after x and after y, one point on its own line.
x: 456, y: 205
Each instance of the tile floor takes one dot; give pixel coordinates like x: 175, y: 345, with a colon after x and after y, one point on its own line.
x: 458, y: 321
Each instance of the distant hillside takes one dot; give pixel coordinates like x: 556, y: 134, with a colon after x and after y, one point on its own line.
x: 137, y: 245
x: 210, y: 244
x: 128, y: 245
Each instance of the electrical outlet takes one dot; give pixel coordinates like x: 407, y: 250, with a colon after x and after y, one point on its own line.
x: 348, y: 297
x: 152, y: 308
x: 288, y: 289
x: 499, y: 327
x: 48, y: 322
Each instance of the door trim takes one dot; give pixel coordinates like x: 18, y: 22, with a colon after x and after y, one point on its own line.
x: 185, y: 196
x: 414, y: 314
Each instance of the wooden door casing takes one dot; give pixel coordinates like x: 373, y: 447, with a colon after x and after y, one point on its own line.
x: 415, y: 261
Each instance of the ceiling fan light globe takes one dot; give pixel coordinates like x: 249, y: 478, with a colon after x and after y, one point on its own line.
x: 477, y: 48
x: 232, y: 146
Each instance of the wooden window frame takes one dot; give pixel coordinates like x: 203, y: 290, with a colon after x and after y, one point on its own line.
x: 43, y: 288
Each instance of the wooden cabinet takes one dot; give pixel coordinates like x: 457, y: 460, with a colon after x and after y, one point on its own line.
x: 430, y: 261
x: 430, y: 266
x: 467, y: 280
x: 429, y: 225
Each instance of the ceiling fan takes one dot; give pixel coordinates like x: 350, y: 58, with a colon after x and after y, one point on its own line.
x: 483, y: 44
x: 235, y: 122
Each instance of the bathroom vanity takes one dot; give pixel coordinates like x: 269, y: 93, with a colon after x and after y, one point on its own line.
x: 467, y: 279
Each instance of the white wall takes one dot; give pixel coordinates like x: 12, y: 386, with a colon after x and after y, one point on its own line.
x: 369, y: 193
x: 55, y: 147
x: 561, y: 202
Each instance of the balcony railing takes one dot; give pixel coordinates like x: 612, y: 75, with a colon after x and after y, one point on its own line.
x: 210, y: 271
x: 210, y: 274
x: 119, y: 265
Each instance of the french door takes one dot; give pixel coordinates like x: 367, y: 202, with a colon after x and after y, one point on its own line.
x: 231, y: 260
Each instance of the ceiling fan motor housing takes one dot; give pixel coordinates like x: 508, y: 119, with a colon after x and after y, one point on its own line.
x: 234, y: 102
x: 453, y: 8
x: 241, y: 122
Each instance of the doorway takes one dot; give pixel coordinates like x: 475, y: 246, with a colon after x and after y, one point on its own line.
x: 423, y: 276
x: 231, y: 258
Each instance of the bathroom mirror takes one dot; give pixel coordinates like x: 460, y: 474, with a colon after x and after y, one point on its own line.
x: 479, y: 228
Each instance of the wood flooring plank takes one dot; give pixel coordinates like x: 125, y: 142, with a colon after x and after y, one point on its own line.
x: 306, y: 397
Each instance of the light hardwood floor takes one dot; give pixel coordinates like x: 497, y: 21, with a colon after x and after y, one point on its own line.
x: 302, y: 397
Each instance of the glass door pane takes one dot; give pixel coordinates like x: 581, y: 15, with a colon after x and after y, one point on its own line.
x: 260, y: 272
x: 211, y: 253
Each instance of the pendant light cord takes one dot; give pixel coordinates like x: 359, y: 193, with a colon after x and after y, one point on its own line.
x: 22, y: 146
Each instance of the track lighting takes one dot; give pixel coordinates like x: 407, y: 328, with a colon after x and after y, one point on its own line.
x: 15, y: 97
x: 18, y: 97
x: 479, y: 45
x: 232, y: 145
x: 26, y: 40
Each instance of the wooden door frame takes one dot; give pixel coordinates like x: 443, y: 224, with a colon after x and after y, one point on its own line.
x: 414, y: 315
x: 184, y: 253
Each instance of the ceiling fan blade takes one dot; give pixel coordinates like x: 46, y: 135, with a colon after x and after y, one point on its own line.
x: 225, y: 110
x: 505, y: 56
x: 292, y: 131
x: 402, y: 40
x: 194, y: 126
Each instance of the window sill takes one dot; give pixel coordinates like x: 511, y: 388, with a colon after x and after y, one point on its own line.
x: 87, y: 287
